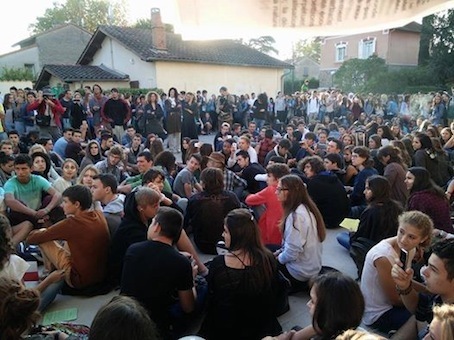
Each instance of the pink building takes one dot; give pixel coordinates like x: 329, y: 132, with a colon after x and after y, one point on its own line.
x: 398, y: 46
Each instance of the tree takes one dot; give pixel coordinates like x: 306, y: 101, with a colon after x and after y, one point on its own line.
x: 16, y: 74
x: 427, y: 32
x: 442, y: 47
x: 263, y: 44
x: 88, y: 14
x: 354, y: 74
x: 146, y: 23
x: 310, y: 48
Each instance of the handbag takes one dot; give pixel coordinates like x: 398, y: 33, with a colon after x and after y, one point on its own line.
x: 42, y: 120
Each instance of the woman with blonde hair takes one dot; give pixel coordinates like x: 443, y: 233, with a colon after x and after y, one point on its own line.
x: 442, y: 325
x: 86, y: 175
x: 303, y: 229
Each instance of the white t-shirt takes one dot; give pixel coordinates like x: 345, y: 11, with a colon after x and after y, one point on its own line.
x: 15, y: 268
x: 376, y: 301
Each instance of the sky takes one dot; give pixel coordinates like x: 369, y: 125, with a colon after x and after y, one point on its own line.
x: 17, y: 28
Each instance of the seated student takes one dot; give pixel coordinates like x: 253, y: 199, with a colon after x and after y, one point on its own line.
x: 325, y: 188
x: 83, y: 255
x: 155, y: 179
x: 104, y: 191
x: 140, y: 207
x: 111, y: 165
x: 74, y: 148
x: 439, y: 281
x: 269, y: 221
x: 185, y: 184
x: 14, y: 267
x: 336, y: 304
x: 249, y: 171
x: 333, y: 163
x: 384, y: 307
x: 282, y: 149
x: 144, y: 163
x: 122, y: 318
x: 206, y: 210
x: 24, y: 194
x: 264, y: 146
x: 442, y: 325
x: 308, y: 146
x: 232, y: 182
x: 154, y: 272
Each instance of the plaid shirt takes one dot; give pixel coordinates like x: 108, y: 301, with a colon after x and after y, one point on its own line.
x: 232, y: 180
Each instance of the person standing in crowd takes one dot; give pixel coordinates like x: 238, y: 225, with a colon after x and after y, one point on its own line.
x: 95, y: 104
x: 49, y: 111
x: 173, y: 121
x: 67, y: 103
x: 152, y: 116
x: 116, y: 113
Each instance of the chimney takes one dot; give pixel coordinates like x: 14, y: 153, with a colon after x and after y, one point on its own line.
x: 158, y: 32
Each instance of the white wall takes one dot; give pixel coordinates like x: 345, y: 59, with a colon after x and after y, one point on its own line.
x: 115, y: 56
x: 17, y: 59
x: 5, y: 85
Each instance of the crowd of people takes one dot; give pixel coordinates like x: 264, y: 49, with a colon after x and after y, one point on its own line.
x: 91, y: 186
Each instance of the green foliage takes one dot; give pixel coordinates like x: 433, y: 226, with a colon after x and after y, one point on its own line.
x: 88, y: 14
x: 146, y: 23
x: 17, y: 74
x: 308, y: 48
x: 263, y: 44
x: 354, y: 74
x: 442, y: 47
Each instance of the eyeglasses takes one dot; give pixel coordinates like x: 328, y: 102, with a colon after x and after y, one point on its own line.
x: 279, y: 189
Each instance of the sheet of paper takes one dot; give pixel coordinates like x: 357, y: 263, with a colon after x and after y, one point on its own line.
x: 62, y: 315
x: 350, y: 224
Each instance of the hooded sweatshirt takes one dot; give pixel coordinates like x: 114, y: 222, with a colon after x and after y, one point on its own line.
x: 130, y: 231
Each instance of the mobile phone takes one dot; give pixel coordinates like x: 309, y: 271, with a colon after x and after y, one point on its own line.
x: 406, y: 257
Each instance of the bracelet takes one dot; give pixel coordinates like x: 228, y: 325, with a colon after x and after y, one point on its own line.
x: 405, y: 291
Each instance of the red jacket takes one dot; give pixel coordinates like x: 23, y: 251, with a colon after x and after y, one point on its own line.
x: 57, y: 109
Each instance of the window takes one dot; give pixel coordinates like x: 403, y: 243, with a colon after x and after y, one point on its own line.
x: 366, y: 48
x: 341, y: 51
x: 305, y: 71
x: 31, y: 68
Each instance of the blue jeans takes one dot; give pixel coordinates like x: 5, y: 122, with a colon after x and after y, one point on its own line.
x: 20, y: 127
x: 49, y: 294
x: 259, y: 122
x: 344, y: 239
x: 392, y: 319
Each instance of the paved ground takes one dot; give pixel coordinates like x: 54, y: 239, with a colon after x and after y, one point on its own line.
x: 333, y: 255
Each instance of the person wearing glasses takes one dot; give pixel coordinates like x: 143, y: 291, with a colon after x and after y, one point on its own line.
x: 303, y: 231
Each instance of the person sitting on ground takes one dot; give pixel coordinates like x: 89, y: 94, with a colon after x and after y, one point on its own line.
x: 385, y: 310
x: 442, y: 325
x: 83, y: 255
x: 244, y: 144
x: 92, y: 154
x: 248, y: 172
x: 300, y: 258
x: 74, y: 148
x: 333, y: 163
x: 380, y: 219
x: 154, y: 272
x: 185, y: 184
x: 332, y: 319
x: 68, y: 176
x: 270, y: 219
x: 325, y: 188
x: 428, y: 197
x: 439, y: 282
x: 111, y: 165
x: 264, y: 146
x: 144, y: 163
x: 14, y: 267
x: 104, y: 191
x: 140, y: 207
x: 23, y: 194
x: 232, y: 182
x: 282, y: 149
x: 155, y: 179
x: 206, y: 210
x: 240, y: 284
x: 121, y: 318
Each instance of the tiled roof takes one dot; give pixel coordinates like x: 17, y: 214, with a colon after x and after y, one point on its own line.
x: 73, y: 73
x: 77, y: 72
x: 139, y: 41
x: 411, y: 27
